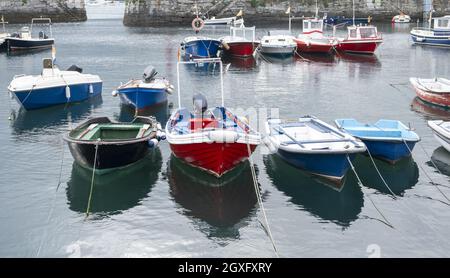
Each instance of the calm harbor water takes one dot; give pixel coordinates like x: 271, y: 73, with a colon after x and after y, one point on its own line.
x: 163, y: 208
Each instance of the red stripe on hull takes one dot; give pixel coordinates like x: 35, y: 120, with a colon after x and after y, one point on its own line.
x: 217, y: 158
x: 358, y: 47
x: 241, y: 49
x: 313, y: 48
x: 437, y: 99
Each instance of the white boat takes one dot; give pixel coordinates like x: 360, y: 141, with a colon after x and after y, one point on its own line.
x: 233, y: 20
x: 401, y: 18
x: 54, y: 86
x: 278, y: 43
x: 441, y: 131
x: 439, y: 35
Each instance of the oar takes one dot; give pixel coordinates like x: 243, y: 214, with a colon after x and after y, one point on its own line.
x: 340, y: 134
x: 282, y: 131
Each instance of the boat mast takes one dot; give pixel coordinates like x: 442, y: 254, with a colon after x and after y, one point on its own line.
x: 353, y: 12
x: 317, y: 10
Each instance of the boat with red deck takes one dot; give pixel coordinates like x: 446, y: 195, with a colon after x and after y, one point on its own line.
x: 237, y: 44
x: 214, y: 140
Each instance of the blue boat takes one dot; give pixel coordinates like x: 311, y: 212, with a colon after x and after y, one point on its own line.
x: 388, y: 140
x: 312, y: 145
x: 144, y: 93
x: 200, y: 47
x: 54, y: 87
x: 439, y: 35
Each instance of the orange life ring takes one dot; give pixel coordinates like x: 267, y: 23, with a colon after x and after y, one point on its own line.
x: 197, y: 24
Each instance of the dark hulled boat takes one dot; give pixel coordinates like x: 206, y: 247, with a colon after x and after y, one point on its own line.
x: 24, y: 40
x: 116, y: 144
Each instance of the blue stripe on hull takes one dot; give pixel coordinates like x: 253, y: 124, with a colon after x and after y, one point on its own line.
x: 330, y: 165
x: 432, y: 41
x: 391, y: 151
x: 202, y: 49
x: 142, y: 98
x: 41, y: 98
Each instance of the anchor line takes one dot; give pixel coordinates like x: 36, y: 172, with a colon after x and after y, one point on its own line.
x: 428, y: 176
x: 301, y: 57
x: 386, y: 222
x: 258, y: 197
x: 29, y: 93
x: 379, y: 174
x: 92, y: 179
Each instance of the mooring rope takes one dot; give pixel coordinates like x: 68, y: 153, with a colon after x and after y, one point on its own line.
x: 367, y: 195
x: 379, y: 174
x: 301, y: 57
x: 258, y: 197
x: 92, y: 180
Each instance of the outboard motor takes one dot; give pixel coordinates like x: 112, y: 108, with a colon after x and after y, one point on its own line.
x: 75, y: 68
x: 200, y: 104
x: 41, y: 35
x: 149, y: 74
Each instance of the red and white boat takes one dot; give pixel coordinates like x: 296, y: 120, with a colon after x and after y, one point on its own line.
x: 312, y: 39
x: 214, y: 140
x: 435, y: 91
x: 360, y: 40
x: 238, y: 44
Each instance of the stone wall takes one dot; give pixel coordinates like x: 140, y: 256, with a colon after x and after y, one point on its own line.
x: 21, y: 11
x: 171, y: 12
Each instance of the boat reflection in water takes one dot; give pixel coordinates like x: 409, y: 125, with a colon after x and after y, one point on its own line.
x: 114, y: 192
x: 399, y: 177
x: 225, y: 203
x: 275, y: 59
x: 430, y: 111
x: 50, y: 119
x: 310, y: 194
x: 239, y: 64
x: 160, y: 112
x: 369, y: 60
x: 316, y: 58
x: 441, y: 158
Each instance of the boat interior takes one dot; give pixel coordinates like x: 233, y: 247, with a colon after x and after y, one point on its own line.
x: 113, y: 131
x: 382, y: 128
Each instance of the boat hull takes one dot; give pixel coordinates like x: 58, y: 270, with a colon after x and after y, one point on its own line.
x: 201, y: 49
x: 312, y: 47
x: 390, y: 151
x: 240, y: 49
x: 332, y: 167
x: 215, y: 158
x: 279, y: 52
x: 17, y: 44
x: 358, y: 47
x: 40, y: 98
x: 142, y: 98
x: 430, y: 37
x: 441, y: 99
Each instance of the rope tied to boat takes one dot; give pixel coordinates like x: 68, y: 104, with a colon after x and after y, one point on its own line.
x: 259, y: 199
x: 93, y: 178
x: 386, y: 222
x: 29, y: 93
x: 379, y: 174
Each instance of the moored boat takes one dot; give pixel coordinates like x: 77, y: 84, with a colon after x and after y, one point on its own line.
x: 200, y: 47
x: 214, y: 140
x: 441, y: 131
x: 312, y: 145
x: 439, y: 35
x: 54, y: 86
x: 24, y: 40
x: 401, y: 18
x: 388, y: 140
x: 3, y: 36
x: 278, y: 44
x: 435, y: 91
x: 312, y: 39
x: 112, y: 145
x: 146, y: 92
x: 237, y: 44
x: 360, y: 40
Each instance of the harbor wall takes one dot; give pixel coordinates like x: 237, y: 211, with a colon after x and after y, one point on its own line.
x: 181, y: 12
x: 22, y: 11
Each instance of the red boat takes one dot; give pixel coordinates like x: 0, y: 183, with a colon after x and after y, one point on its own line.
x: 312, y: 39
x: 360, y: 40
x: 214, y: 140
x: 435, y: 91
x: 240, y: 45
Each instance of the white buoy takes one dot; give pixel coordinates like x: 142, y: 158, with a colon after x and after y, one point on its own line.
x: 91, y: 89
x: 170, y: 89
x: 268, y: 143
x: 114, y: 93
x: 152, y: 143
x: 67, y: 92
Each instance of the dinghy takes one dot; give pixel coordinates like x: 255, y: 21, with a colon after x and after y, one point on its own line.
x: 401, y: 18
x: 200, y: 47
x: 146, y: 92
x: 312, y: 145
x: 54, y: 86
x: 113, y: 145
x: 435, y: 91
x: 214, y: 140
x: 386, y: 139
x: 441, y: 131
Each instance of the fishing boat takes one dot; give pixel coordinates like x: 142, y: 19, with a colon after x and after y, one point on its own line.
x: 278, y: 43
x: 146, y: 92
x: 342, y: 20
x: 54, y: 86
x: 441, y: 131
x: 438, y: 35
x: 200, y: 47
x: 435, y: 91
x: 388, y: 140
x: 312, y: 145
x: 237, y: 44
x: 214, y: 140
x: 24, y: 40
x: 110, y: 145
x: 233, y: 20
x: 312, y: 39
x: 401, y: 18
x: 360, y: 40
